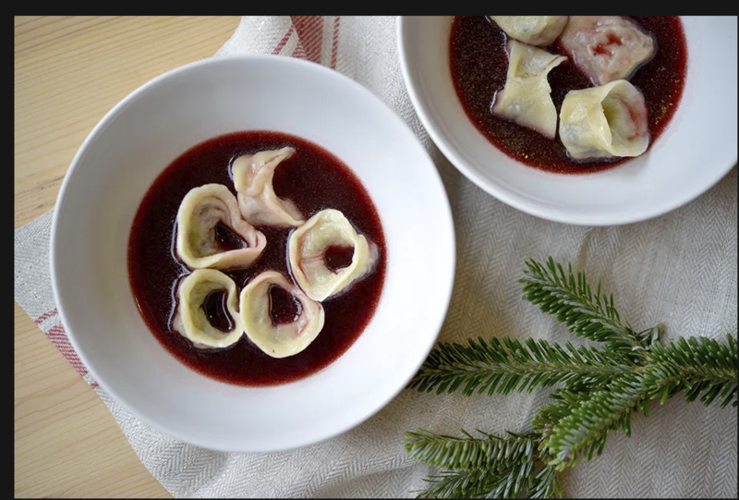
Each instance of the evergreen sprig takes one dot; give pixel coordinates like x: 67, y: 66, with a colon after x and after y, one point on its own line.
x: 570, y: 299
x: 585, y: 429
x: 462, y: 483
x: 486, y: 452
x: 489, y: 466
x: 694, y: 365
x: 496, y: 367
x: 601, y: 387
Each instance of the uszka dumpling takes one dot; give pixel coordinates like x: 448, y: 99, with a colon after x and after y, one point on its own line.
x: 534, y: 30
x: 198, y: 218
x: 287, y: 336
x: 526, y: 98
x: 606, y: 121
x: 308, y: 247
x: 607, y: 48
x: 258, y: 202
x: 204, y: 297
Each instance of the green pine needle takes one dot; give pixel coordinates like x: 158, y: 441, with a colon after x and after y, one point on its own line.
x: 512, y: 482
x: 697, y: 366
x: 584, y: 430
x: 551, y: 414
x: 484, y: 467
x: 475, y: 483
x: 545, y: 484
x: 600, y: 388
x: 496, y: 367
x: 488, y: 451
x: 571, y: 300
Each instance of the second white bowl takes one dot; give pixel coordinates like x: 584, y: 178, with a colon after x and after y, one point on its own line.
x: 698, y: 147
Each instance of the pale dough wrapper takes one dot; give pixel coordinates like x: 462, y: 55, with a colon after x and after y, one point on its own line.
x: 258, y: 202
x: 307, y: 248
x: 526, y: 98
x: 200, y: 211
x: 605, y: 121
x: 607, y: 48
x: 282, y: 340
x: 191, y: 321
x: 534, y: 30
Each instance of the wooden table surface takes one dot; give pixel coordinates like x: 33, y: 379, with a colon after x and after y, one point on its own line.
x: 69, y: 72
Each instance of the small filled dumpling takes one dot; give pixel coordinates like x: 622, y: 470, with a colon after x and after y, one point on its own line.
x: 258, y: 202
x: 327, y: 255
x: 607, y: 48
x: 211, y: 232
x: 534, y: 30
x: 526, y: 98
x: 207, y: 312
x: 606, y: 121
x: 278, y: 317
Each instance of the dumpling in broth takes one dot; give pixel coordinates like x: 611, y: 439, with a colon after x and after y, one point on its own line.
x: 541, y: 31
x: 526, y: 98
x: 606, y: 121
x: 309, y: 244
x: 192, y: 320
x: 285, y: 338
x: 607, y: 48
x: 198, y: 218
x: 258, y: 202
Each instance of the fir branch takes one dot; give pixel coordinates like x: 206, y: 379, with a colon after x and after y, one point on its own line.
x: 601, y: 388
x: 580, y: 423
x: 695, y: 365
x: 584, y: 430
x: 488, y: 451
x: 564, y: 402
x: 510, y: 482
x: 545, y: 484
x: 509, y: 465
x: 462, y: 483
x: 570, y: 299
x: 497, y: 367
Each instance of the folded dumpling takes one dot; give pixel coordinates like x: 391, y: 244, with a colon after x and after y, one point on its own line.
x: 606, y: 121
x: 279, y: 333
x: 311, y: 246
x: 607, y: 48
x: 211, y: 232
x: 526, y: 98
x: 534, y: 30
x: 207, y: 312
x: 258, y: 202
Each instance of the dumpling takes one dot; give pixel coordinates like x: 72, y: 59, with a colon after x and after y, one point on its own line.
x: 252, y: 175
x: 205, y: 297
x: 607, y: 48
x: 311, y: 244
x: 534, y: 30
x: 606, y: 121
x: 282, y: 336
x: 526, y: 98
x: 207, y: 218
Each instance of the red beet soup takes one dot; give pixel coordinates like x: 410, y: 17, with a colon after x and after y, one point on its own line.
x: 479, y: 63
x: 314, y: 180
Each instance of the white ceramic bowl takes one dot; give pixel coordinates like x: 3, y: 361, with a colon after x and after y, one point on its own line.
x: 698, y: 147
x: 138, y: 138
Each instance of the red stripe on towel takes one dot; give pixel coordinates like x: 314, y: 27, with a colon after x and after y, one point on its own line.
x: 283, y: 41
x: 310, y: 35
x: 335, y: 42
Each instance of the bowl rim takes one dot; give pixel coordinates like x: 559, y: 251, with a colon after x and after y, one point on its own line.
x: 447, y: 277
x: 511, y: 198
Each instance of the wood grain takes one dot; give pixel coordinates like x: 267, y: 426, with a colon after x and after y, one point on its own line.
x: 69, y: 72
